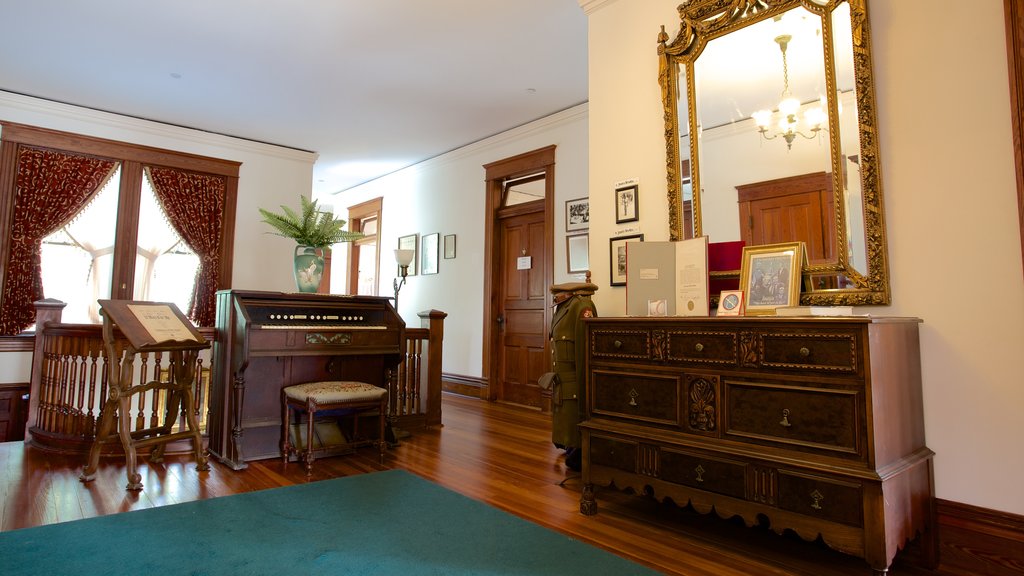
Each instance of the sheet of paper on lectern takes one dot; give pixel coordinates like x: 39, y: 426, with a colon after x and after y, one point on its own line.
x: 161, y: 322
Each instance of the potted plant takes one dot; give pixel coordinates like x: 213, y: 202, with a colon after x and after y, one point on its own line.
x: 314, y: 231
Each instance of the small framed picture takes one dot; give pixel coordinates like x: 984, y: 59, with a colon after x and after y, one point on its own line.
x: 449, y: 246
x: 617, y: 256
x: 577, y: 252
x: 428, y: 255
x: 577, y: 214
x: 410, y: 242
x: 770, y: 276
x: 730, y: 303
x: 627, y: 204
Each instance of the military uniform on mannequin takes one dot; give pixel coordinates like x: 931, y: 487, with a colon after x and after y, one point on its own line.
x: 572, y: 304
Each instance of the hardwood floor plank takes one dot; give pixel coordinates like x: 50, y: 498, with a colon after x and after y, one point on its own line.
x: 498, y: 454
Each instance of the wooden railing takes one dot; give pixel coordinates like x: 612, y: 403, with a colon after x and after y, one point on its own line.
x: 69, y: 382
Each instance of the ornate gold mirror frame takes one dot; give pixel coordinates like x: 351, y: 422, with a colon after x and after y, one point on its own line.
x: 699, y: 71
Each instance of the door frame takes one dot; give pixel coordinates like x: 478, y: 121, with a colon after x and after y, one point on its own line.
x: 540, y: 160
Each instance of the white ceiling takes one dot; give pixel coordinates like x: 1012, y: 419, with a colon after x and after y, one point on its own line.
x: 371, y: 86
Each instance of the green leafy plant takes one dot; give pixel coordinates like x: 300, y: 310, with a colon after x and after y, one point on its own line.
x: 313, y: 227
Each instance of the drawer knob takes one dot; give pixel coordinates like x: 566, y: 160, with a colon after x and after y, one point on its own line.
x: 785, y: 418
x: 617, y: 344
x: 699, y: 347
x: 805, y: 352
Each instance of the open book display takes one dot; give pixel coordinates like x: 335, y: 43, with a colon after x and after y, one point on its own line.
x: 149, y: 324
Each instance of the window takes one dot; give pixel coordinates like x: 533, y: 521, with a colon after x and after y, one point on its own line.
x: 130, y: 222
x: 364, y: 260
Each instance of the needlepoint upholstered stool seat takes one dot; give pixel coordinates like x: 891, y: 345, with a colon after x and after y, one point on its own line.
x: 352, y: 397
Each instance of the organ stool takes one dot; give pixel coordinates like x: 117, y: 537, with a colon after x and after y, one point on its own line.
x: 355, y: 398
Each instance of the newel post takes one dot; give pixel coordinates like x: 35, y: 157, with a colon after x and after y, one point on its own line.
x: 434, y: 321
x: 48, y: 311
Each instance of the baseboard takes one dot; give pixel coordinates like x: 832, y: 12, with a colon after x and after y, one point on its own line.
x: 979, y: 541
x: 471, y: 386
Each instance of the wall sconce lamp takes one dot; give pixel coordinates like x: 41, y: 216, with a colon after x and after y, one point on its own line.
x: 404, y: 259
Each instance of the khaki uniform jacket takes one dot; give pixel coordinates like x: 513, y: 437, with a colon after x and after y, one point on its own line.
x: 567, y: 350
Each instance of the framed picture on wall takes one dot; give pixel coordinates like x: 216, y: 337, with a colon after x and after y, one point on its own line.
x: 449, y: 246
x: 577, y: 253
x: 770, y: 276
x: 577, y: 214
x: 617, y: 256
x: 627, y: 204
x: 428, y: 254
x: 410, y: 242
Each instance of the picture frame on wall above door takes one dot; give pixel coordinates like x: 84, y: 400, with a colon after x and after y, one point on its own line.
x: 577, y: 214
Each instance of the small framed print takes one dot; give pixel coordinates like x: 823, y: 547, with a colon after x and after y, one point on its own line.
x: 577, y: 214
x: 449, y: 246
x: 577, y: 253
x: 428, y: 254
x: 770, y: 276
x: 410, y: 242
x: 627, y: 204
x: 730, y: 303
x: 617, y: 256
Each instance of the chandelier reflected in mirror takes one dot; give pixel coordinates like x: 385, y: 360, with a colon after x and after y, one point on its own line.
x: 788, y: 125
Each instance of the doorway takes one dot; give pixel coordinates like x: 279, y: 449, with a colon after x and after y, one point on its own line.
x: 519, y: 250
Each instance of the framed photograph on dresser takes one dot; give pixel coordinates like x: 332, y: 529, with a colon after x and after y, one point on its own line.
x: 770, y: 276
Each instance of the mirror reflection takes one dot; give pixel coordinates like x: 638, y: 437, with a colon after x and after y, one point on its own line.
x: 776, y: 153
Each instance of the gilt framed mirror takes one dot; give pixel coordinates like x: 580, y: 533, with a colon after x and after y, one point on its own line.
x: 771, y: 136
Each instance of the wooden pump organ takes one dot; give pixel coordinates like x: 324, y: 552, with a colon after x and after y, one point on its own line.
x: 269, y: 340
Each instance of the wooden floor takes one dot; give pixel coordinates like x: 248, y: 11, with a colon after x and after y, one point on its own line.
x: 494, y: 453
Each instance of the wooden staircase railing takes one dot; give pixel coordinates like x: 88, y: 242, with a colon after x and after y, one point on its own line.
x: 69, y: 383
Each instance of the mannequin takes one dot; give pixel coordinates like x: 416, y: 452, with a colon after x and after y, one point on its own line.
x: 566, y: 380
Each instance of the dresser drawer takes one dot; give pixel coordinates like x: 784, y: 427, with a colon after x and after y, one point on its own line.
x: 819, y: 352
x: 825, y: 419
x: 614, y: 453
x: 623, y: 344
x: 706, y: 347
x: 718, y: 475
x: 823, y: 498
x: 647, y: 397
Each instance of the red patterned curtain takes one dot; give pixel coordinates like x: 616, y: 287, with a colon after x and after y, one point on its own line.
x: 51, y: 187
x: 194, y: 204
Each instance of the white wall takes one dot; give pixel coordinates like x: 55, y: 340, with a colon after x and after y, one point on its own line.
x: 269, y: 176
x: 950, y: 205
x: 446, y: 195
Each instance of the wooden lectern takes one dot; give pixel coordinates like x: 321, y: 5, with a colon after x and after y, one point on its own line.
x: 130, y: 328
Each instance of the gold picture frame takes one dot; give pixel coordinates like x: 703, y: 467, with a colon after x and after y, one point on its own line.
x: 770, y: 276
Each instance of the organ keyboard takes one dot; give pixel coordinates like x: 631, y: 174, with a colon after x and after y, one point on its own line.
x: 268, y: 340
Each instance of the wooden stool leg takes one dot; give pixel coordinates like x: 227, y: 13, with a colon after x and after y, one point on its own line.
x: 382, y: 417
x: 286, y: 444
x: 310, y: 432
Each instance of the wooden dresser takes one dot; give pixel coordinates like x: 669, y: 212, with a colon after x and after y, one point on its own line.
x: 813, y: 423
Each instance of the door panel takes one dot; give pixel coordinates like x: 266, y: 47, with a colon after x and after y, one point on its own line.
x: 524, y: 297
x: 790, y: 209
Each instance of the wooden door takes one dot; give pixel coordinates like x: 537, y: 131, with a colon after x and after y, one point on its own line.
x: 791, y: 209
x: 522, y: 329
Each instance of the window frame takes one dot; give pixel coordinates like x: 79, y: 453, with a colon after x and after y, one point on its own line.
x: 133, y: 158
x: 369, y: 210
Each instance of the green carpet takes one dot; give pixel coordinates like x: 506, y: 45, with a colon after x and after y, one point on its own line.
x: 386, y: 523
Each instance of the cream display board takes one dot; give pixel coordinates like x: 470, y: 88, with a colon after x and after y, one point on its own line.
x: 667, y: 278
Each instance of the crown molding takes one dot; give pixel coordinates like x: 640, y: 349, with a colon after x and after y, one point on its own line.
x: 591, y: 6
x: 50, y: 110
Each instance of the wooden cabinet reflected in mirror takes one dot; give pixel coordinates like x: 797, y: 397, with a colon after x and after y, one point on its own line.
x: 777, y: 96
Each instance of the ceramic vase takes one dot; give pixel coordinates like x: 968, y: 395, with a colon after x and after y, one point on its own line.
x: 309, y: 268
